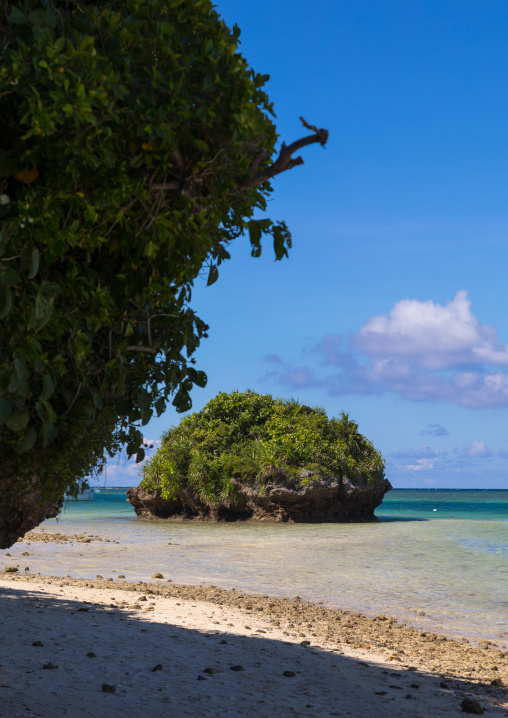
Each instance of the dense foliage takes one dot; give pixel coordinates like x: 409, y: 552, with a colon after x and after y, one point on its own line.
x: 135, y: 145
x: 252, y: 439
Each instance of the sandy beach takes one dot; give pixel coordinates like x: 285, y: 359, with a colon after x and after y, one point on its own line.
x: 108, y: 647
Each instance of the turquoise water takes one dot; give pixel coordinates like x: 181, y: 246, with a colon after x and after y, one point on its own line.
x: 441, y: 553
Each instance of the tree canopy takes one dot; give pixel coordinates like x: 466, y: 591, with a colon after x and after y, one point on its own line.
x: 254, y: 439
x: 136, y: 144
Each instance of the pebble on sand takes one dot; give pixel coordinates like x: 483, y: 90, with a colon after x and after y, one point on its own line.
x: 469, y: 705
x: 157, y: 575
x: 289, y: 674
x: 107, y: 688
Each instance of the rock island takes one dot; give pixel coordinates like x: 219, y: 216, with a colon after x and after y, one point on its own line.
x: 251, y: 457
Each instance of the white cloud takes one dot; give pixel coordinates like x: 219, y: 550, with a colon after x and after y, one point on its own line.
x: 420, y: 350
x: 431, y: 336
x: 421, y: 464
x: 476, y: 450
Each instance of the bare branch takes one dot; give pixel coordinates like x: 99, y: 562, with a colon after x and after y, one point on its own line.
x: 140, y: 348
x: 192, y: 186
x: 285, y: 160
x: 174, y: 184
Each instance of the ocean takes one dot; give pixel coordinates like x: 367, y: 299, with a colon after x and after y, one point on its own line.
x: 437, y: 559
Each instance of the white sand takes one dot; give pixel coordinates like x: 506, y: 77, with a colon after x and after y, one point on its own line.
x: 186, y: 637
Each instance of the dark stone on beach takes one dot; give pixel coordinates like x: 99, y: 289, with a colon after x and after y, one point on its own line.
x: 331, y: 499
x: 211, y: 671
x: 158, y: 667
x: 236, y: 668
x: 37, y: 643
x: 289, y: 674
x: 222, y: 643
x: 49, y: 666
x: 90, y: 654
x: 107, y: 688
x: 157, y: 575
x: 409, y: 696
x: 415, y: 686
x: 469, y: 705
x: 201, y: 678
x: 142, y: 598
x: 304, y: 643
x: 497, y: 682
x: 444, y: 684
x: 121, y: 575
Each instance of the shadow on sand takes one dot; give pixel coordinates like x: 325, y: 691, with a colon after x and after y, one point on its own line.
x: 159, y: 669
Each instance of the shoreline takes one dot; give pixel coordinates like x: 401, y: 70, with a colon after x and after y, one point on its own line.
x: 369, y: 655
x: 103, y: 550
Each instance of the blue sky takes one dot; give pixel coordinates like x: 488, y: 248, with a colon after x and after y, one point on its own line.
x: 392, y: 305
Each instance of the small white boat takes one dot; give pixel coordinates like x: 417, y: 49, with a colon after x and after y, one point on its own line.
x: 86, y: 494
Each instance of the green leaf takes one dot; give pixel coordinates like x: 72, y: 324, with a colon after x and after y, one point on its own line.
x: 5, y: 302
x: 50, y: 288
x: 6, y: 409
x: 146, y: 415
x: 28, y: 441
x: 59, y: 44
x: 160, y: 405
x: 197, y: 377
x: 17, y: 16
x: 34, y: 263
x: 48, y: 388
x: 48, y: 433
x: 213, y: 275
x: 39, y: 366
x: 201, y: 145
x: 143, y: 399
x: 278, y: 243
x: 182, y: 401
x: 9, y: 277
x: 19, y: 420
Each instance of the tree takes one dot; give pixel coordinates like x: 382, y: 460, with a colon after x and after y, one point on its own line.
x: 135, y: 145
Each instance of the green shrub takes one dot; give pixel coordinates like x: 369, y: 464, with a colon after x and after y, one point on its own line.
x: 254, y: 439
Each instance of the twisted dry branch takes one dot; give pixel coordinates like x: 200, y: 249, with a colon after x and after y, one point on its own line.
x: 192, y: 187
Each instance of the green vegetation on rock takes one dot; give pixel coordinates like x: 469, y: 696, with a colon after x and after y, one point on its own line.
x: 254, y: 439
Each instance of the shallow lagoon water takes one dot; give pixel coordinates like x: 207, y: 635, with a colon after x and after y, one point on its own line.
x: 442, y: 553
